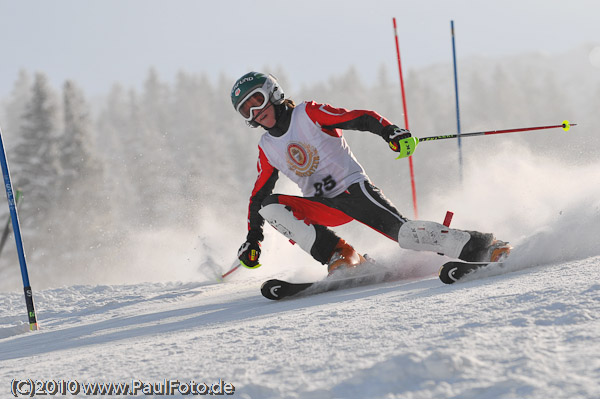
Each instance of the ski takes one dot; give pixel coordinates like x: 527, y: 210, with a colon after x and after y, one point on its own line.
x: 451, y: 272
x: 278, y: 289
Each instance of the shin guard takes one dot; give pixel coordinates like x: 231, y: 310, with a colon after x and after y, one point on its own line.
x: 278, y: 216
x: 430, y: 236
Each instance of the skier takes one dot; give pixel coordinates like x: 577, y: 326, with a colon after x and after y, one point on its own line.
x: 305, y: 143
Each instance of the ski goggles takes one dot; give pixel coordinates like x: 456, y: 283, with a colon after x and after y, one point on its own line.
x: 256, y: 99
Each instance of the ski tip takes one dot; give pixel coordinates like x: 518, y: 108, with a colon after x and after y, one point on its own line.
x: 453, y: 271
x: 446, y: 274
x: 270, y: 289
x: 278, y: 289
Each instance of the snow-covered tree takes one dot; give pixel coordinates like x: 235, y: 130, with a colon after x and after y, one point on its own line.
x: 35, y: 161
x: 77, y: 156
x: 15, y: 107
x: 83, y: 222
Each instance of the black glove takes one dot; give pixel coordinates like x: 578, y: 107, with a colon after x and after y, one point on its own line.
x: 393, y: 135
x: 400, y: 140
x: 249, y: 253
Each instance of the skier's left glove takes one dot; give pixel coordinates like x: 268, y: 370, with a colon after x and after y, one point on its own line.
x: 400, y: 140
x: 249, y: 253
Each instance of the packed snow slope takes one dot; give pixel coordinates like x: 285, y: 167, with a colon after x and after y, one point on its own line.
x: 526, y: 333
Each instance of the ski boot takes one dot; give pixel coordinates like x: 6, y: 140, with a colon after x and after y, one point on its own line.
x: 483, y: 247
x: 498, y: 251
x: 344, y: 257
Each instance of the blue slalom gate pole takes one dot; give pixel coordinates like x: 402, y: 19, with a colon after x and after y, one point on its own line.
x: 17, y: 233
x: 460, y: 162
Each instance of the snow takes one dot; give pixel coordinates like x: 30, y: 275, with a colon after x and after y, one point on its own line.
x: 529, y: 333
x: 528, y: 330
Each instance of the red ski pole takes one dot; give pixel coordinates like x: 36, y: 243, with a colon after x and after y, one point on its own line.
x: 236, y: 265
x: 565, y: 126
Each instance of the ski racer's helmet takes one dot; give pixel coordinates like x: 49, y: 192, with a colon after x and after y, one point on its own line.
x: 255, y: 85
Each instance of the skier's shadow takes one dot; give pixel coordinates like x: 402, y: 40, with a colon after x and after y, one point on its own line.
x: 187, y: 318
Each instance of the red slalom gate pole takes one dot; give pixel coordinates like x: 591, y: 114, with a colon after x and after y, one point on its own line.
x: 410, y: 161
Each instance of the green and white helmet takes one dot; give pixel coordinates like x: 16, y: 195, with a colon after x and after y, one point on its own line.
x: 261, y: 88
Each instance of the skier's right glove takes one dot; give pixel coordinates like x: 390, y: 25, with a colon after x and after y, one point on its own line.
x: 249, y: 253
x: 400, y: 140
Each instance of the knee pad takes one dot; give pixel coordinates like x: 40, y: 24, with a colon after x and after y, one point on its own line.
x: 430, y: 236
x: 282, y: 219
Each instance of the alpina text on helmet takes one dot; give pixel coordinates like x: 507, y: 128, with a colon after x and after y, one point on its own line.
x: 242, y: 81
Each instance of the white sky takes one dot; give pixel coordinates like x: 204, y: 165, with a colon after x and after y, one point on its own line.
x: 97, y: 43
